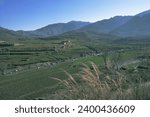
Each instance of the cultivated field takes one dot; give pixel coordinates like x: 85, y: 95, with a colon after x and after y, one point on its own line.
x: 30, y: 68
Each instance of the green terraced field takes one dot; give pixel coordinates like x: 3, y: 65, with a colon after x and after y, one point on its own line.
x: 34, y: 80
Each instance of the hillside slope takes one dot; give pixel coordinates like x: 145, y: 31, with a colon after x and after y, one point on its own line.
x: 107, y: 25
x: 139, y: 25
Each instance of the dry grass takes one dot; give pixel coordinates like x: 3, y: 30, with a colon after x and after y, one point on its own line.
x: 93, y: 84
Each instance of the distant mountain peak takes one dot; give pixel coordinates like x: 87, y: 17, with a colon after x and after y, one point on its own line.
x: 73, y: 21
x: 144, y: 13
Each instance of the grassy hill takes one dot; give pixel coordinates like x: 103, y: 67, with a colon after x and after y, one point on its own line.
x: 6, y: 34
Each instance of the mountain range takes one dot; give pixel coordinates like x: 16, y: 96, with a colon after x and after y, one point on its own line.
x: 55, y: 29
x: 122, y: 26
x: 138, y: 25
x: 6, y: 34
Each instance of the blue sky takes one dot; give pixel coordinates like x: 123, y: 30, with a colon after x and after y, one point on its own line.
x: 33, y: 14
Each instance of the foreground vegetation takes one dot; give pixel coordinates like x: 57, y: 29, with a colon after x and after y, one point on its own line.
x: 107, y: 83
x: 28, y: 68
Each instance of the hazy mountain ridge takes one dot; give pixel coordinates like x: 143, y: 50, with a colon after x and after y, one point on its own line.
x: 55, y: 29
x: 47, y: 31
x: 143, y: 13
x: 6, y: 34
x: 123, y: 26
x: 139, y: 25
x: 107, y: 25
